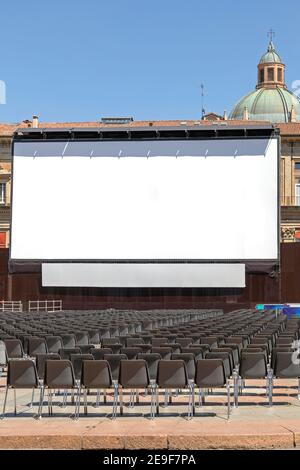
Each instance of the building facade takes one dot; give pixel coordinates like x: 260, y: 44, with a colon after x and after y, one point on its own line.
x: 270, y: 101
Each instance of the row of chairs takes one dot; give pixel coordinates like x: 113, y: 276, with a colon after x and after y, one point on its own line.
x: 134, y: 375
x: 182, y: 372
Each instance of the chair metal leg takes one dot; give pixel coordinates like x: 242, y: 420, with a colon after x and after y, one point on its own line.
x: 157, y: 401
x: 65, y: 397
x: 228, y: 398
x: 121, y: 401
x: 298, y: 388
x: 166, y: 397
x: 4, y: 403
x: 115, y: 403
x: 49, y: 402
x: 40, y: 410
x: 104, y: 396
x: 191, y: 401
x: 85, y: 402
x: 270, y: 386
x: 77, y: 405
x: 98, y: 399
x: 153, y: 401
x: 202, y: 397
x: 131, y: 399
x: 236, y: 390
x: 15, y: 401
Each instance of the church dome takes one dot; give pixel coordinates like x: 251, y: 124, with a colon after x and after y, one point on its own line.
x: 271, y: 101
x: 273, y: 104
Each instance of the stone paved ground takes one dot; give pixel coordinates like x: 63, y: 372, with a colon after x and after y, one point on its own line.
x: 251, y: 426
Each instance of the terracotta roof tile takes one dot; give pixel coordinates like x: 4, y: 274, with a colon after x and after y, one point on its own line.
x: 6, y: 129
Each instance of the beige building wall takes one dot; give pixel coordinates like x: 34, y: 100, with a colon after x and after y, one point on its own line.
x: 5, y: 181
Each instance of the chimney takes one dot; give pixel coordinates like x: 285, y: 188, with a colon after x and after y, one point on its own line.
x: 245, y: 114
x: 35, y: 121
x: 225, y: 117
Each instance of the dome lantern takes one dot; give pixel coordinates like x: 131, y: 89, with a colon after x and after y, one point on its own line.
x: 270, y: 69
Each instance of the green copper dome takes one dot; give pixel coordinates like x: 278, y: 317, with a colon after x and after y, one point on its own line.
x: 270, y: 56
x: 268, y: 104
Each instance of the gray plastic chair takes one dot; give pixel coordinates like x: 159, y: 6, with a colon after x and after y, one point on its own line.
x: 210, y: 373
x: 21, y: 374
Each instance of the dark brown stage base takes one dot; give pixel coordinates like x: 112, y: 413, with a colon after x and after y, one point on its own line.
x: 260, y: 288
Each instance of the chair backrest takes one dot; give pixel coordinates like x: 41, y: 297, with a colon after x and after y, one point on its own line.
x: 253, y: 365
x: 59, y: 374
x: 94, y: 337
x: 14, y: 348
x: 152, y: 360
x: 40, y: 361
x: 210, y: 373
x: 287, y: 341
x: 184, y: 342
x: 172, y: 374
x: 157, y: 341
x: 131, y: 353
x: 235, y: 352
x: 96, y: 374
x: 86, y: 348
x: 196, y: 350
x: 3, y: 354
x: 225, y: 356
x: 114, y: 363
x: 144, y: 347
x: 99, y: 353
x: 275, y: 351
x: 54, y: 343
x: 211, y: 340
x: 37, y: 346
x: 134, y: 374
x: 65, y: 353
x: 189, y: 360
x: 132, y: 341
x: 77, y: 360
x: 165, y: 353
x: 82, y: 338
x: 69, y: 341
x: 176, y: 347
x: 236, y: 339
x: 106, y: 342
x: 22, y: 374
x: 286, y: 366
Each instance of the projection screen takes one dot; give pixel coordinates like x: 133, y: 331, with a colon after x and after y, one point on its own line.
x: 145, y: 200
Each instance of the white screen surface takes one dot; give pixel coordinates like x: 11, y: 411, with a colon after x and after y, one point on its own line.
x: 170, y: 200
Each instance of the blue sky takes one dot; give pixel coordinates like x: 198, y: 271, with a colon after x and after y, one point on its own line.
x: 72, y: 60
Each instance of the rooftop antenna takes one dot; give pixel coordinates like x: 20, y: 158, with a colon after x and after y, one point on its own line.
x: 202, y: 102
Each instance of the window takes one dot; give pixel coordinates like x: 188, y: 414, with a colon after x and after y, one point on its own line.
x: 279, y: 75
x: 297, y: 165
x: 270, y: 74
x: 2, y: 193
x: 261, y: 75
